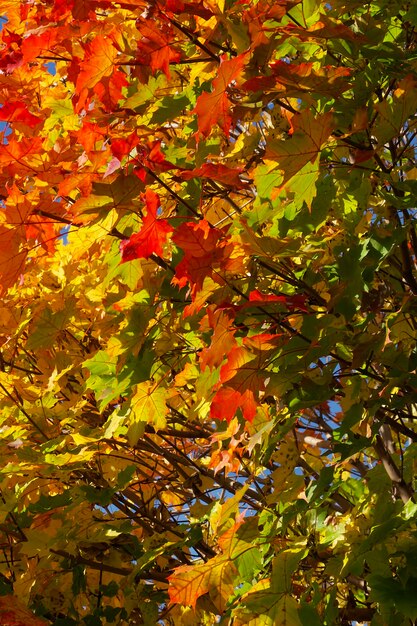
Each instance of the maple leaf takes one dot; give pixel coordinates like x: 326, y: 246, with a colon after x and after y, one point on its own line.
x: 202, y: 247
x: 308, y: 134
x: 222, y: 340
x: 227, y: 400
x: 99, y: 58
x: 219, y: 172
x: 154, y: 158
x: 126, y: 4
x: 152, y: 235
x: 19, y: 206
x: 12, y: 257
x: 88, y: 135
x: 195, y: 8
x: 9, y: 37
x: 209, y: 257
x: 240, y: 381
x: 214, y: 107
x: 41, y: 40
x: 243, y: 376
x: 155, y: 46
x: 115, y: 385
x: 148, y: 407
x: 42, y: 231
x: 83, y: 182
x: 305, y: 76
x: 189, y: 582
x: 328, y: 28
x: 291, y: 79
x: 218, y: 576
x: 291, y: 302
x: 14, y: 613
x: 122, y: 146
x: 18, y: 112
x: 109, y: 89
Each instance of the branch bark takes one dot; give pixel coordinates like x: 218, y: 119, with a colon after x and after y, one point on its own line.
x: 404, y: 491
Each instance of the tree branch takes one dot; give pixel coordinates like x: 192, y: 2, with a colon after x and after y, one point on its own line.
x: 404, y: 491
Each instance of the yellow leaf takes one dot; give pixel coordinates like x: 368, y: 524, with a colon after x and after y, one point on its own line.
x: 189, y: 582
x: 148, y: 407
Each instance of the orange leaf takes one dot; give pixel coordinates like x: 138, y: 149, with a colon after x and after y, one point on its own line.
x: 100, y: 55
x: 42, y: 231
x: 12, y: 259
x: 214, y: 107
x: 242, y: 377
x: 89, y: 134
x: 14, y: 613
x: 227, y: 401
x: 222, y: 340
x: 155, y: 47
x: 42, y: 40
x: 239, y: 393
x: 17, y: 152
x: 189, y: 582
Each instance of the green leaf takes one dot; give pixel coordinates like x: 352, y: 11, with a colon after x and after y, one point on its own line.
x: 390, y: 593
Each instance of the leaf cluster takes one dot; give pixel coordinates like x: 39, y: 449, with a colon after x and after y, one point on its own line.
x: 207, y: 318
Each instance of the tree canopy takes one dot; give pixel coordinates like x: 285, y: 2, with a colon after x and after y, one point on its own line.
x: 208, y: 312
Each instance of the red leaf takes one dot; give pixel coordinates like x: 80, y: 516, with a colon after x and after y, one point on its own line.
x: 18, y: 112
x: 296, y: 301
x: 155, y: 158
x: 42, y: 40
x: 178, y: 7
x: 109, y: 89
x: 9, y: 38
x: 226, y: 175
x: 199, y: 242
x: 151, y: 237
x: 209, y: 253
x: 260, y: 83
x: 61, y: 8
x: 123, y: 147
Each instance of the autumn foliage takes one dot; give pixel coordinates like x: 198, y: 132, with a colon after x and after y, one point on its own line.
x: 208, y: 319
